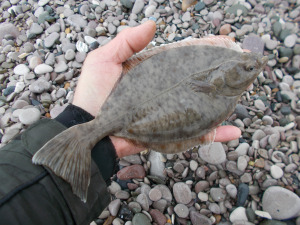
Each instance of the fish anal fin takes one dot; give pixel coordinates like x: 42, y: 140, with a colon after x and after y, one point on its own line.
x: 68, y: 155
x: 179, y: 145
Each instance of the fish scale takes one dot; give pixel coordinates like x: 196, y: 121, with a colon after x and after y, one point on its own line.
x: 167, y: 99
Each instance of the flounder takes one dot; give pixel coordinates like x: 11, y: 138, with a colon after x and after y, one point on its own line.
x: 167, y: 99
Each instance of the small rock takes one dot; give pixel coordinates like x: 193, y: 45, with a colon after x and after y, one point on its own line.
x: 157, y: 165
x: 242, y: 195
x: 70, y: 54
x: 131, y: 172
x: 35, y: 29
x: 138, y: 6
x: 81, y: 46
x: 181, y: 210
x: 182, y: 193
x: 42, y: 69
x: 276, y: 172
x: 199, y: 219
x: 231, y: 190
x: 199, y: 6
x: 155, y: 194
x: 225, y: 29
x: 218, y: 194
x: 278, y: 201
x: 51, y: 39
x: 203, y: 196
x: 158, y: 217
x: 29, y: 116
x: 114, y: 207
x: 213, y: 154
x: 290, y: 40
x: 150, y: 10
x: 239, y: 214
x: 21, y: 69
x: 254, y: 44
x: 187, y: 3
x: 76, y: 20
x: 142, y: 199
x: 140, y: 218
x: 242, y: 149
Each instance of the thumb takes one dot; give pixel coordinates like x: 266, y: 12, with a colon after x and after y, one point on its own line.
x: 128, y: 42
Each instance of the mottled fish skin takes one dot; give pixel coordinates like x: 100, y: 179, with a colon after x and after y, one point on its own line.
x: 167, y: 101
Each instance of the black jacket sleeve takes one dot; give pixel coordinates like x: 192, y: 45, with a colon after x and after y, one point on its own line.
x: 31, y: 194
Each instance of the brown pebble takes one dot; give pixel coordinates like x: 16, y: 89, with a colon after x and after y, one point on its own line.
x: 132, y: 172
x: 225, y: 29
x: 132, y: 186
x: 158, y: 217
x: 260, y: 163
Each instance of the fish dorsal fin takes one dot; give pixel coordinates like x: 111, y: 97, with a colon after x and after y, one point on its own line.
x: 220, y: 41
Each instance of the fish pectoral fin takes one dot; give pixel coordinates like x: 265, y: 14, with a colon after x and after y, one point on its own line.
x: 202, y: 86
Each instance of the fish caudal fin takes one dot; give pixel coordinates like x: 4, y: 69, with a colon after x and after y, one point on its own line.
x: 68, y: 155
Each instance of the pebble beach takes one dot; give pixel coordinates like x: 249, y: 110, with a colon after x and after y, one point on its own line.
x: 251, y: 180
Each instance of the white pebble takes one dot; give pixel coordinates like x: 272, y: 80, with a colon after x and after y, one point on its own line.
x: 21, y: 69
x: 203, y: 196
x: 29, y: 116
x: 276, y: 172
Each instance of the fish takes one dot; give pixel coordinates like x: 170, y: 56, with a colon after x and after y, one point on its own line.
x: 166, y: 99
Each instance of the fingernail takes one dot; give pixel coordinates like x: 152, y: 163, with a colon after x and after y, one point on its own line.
x: 152, y: 18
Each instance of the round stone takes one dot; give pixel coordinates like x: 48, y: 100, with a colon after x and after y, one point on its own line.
x: 21, y: 69
x: 182, y: 193
x: 181, y: 210
x: 281, y: 203
x: 140, y: 218
x: 225, y: 29
x: 155, y: 194
x: 290, y: 40
x: 138, y: 6
x: 276, y: 172
x: 218, y: 194
x: 203, y: 196
x: 29, y: 116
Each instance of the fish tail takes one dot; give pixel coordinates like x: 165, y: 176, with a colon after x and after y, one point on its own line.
x: 68, y: 155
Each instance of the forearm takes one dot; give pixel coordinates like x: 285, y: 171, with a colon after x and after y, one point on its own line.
x: 36, y: 192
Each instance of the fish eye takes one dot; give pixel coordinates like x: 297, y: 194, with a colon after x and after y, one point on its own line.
x: 249, y: 68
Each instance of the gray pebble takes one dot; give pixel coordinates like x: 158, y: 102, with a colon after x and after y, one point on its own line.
x: 182, y: 193
x: 214, y: 153
x: 51, y: 39
x: 29, y: 116
x: 218, y: 194
x: 114, y: 207
x: 181, y: 210
x: 278, y: 201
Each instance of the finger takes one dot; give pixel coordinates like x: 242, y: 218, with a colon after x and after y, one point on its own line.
x: 129, y: 41
x: 124, y: 148
x: 227, y: 133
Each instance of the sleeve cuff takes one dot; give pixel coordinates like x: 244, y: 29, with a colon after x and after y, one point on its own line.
x: 104, y: 153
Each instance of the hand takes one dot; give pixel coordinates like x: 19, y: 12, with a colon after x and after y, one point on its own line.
x: 103, y: 67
